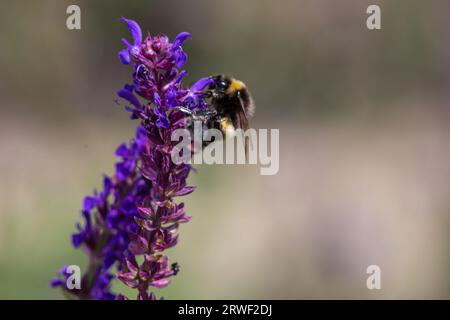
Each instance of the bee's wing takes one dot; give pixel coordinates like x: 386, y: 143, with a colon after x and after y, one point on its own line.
x: 242, y: 118
x: 242, y: 123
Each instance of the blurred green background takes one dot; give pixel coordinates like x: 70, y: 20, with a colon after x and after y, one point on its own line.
x: 364, y: 129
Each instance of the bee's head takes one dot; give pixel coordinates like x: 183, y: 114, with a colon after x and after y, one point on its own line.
x: 225, y: 85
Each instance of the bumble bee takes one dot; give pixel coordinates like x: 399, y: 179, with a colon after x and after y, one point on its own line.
x: 230, y: 107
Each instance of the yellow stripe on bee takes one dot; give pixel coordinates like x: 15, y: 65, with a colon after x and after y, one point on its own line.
x: 235, y: 85
x: 226, y: 126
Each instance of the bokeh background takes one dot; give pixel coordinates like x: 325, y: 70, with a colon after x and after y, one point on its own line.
x: 364, y: 127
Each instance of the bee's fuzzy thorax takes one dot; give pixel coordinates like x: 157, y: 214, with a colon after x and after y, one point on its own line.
x: 235, y: 85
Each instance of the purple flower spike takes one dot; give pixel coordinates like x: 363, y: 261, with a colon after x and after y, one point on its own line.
x: 135, y: 214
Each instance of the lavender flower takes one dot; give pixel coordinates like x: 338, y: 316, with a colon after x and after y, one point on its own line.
x: 135, y: 214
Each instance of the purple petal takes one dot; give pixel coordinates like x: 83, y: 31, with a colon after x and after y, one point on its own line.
x: 124, y: 56
x: 134, y: 29
x: 127, y: 276
x: 57, y: 283
x: 160, y: 283
x: 162, y: 123
x: 180, y: 76
x: 131, y: 266
x: 180, y: 58
x: 138, y: 244
x: 122, y: 150
x: 202, y: 84
x: 107, y: 185
x: 184, y: 191
x: 180, y: 39
x: 127, y: 93
x: 157, y: 99
x: 126, y: 43
x: 63, y: 270
x: 78, y: 239
x: 145, y: 212
x: 89, y: 203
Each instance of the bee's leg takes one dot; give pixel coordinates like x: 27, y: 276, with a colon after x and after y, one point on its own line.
x: 187, y: 111
x: 214, y: 94
x: 198, y: 114
x: 209, y: 94
x: 203, y: 114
